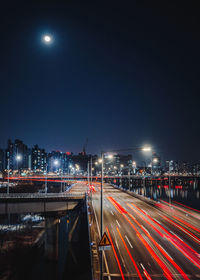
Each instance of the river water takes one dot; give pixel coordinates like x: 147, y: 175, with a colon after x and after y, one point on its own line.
x: 44, y: 247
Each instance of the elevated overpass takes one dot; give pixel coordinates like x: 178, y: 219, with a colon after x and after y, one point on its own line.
x: 39, y: 203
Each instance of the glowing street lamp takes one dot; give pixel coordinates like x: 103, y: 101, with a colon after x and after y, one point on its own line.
x: 110, y: 156
x: 103, y: 154
x: 56, y: 162
x: 18, y: 157
x: 146, y: 149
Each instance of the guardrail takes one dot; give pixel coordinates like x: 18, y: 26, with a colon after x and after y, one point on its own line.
x: 40, y: 195
x: 89, y: 235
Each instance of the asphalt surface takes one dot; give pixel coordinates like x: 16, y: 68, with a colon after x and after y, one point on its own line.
x: 149, y: 240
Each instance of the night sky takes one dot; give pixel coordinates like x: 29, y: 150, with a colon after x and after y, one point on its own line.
x: 121, y: 73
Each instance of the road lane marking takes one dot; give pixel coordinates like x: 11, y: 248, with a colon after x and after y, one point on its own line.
x: 129, y: 242
x: 145, y: 272
x: 115, y: 253
x: 146, y: 229
x: 165, y: 252
x: 118, y: 223
x: 133, y: 261
x: 119, y: 251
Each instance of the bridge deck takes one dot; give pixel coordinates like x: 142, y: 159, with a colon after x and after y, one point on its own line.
x: 31, y: 197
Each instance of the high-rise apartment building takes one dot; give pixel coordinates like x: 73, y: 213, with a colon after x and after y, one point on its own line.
x: 38, y: 159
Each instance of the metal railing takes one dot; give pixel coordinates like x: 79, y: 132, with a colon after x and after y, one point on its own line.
x: 41, y: 195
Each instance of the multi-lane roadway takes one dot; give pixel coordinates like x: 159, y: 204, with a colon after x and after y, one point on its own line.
x: 149, y: 240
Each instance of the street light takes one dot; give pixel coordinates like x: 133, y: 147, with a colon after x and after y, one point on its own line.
x: 57, y: 163
x: 8, y: 167
x: 134, y: 165
x: 101, y: 160
x: 110, y: 156
x: 18, y: 158
x: 46, y: 178
x: 146, y: 149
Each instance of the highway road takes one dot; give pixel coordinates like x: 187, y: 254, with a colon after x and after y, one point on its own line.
x: 149, y: 240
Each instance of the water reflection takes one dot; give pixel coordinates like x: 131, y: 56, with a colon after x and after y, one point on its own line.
x: 186, y: 191
x: 37, y: 240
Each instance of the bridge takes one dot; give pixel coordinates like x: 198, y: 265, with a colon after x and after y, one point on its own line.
x: 39, y: 202
x: 63, y: 228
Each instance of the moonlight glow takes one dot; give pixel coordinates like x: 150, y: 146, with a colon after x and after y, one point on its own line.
x: 47, y: 39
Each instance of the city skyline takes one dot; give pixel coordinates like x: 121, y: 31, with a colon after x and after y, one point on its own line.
x: 134, y: 151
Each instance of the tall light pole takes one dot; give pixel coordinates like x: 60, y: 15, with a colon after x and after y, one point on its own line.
x: 134, y: 166
x: 88, y: 175
x: 101, y: 261
x: 169, y: 185
x: 145, y: 149
x: 8, y: 175
x: 46, y: 180
x: 129, y: 178
x: 18, y: 158
x: 57, y: 163
x: 102, y: 174
x: 91, y: 168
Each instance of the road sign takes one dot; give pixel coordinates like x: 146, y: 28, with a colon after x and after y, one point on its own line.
x: 104, y: 243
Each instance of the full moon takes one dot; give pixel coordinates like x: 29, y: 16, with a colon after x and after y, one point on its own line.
x: 47, y: 38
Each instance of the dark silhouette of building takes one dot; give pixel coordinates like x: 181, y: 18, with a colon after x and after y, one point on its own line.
x: 17, y: 153
x: 2, y: 160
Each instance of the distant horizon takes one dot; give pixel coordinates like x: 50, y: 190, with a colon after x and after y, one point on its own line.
x: 136, y: 156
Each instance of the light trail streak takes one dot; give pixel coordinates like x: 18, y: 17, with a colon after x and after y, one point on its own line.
x: 134, y: 263
x: 187, y: 224
x: 183, y: 229
x: 114, y: 251
x: 120, y: 209
x: 187, y: 206
x: 166, y: 271
x: 179, y: 208
x: 160, y: 248
x: 189, y: 253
